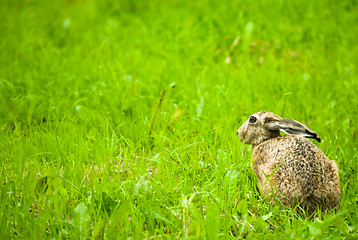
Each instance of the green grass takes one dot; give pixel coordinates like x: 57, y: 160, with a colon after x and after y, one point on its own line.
x: 118, y: 118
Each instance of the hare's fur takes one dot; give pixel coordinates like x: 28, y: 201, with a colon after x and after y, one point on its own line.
x: 291, y: 169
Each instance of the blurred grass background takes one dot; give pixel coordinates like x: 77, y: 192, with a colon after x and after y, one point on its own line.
x: 119, y: 118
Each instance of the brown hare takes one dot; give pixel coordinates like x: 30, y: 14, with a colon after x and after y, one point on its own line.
x: 291, y: 169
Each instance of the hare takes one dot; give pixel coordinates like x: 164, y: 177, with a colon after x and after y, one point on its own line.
x: 291, y: 169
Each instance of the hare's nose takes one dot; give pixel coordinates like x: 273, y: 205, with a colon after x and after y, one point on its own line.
x: 239, y: 134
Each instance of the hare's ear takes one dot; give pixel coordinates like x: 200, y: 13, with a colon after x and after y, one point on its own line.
x: 292, y: 127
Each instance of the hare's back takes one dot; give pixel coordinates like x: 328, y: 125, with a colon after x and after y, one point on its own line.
x: 294, y: 151
x: 293, y: 161
x: 298, y: 169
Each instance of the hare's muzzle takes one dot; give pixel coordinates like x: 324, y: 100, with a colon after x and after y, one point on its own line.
x: 239, y: 134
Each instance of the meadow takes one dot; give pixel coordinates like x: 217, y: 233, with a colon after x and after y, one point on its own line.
x: 118, y: 119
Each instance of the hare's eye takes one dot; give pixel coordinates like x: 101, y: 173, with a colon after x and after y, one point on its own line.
x: 252, y: 119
